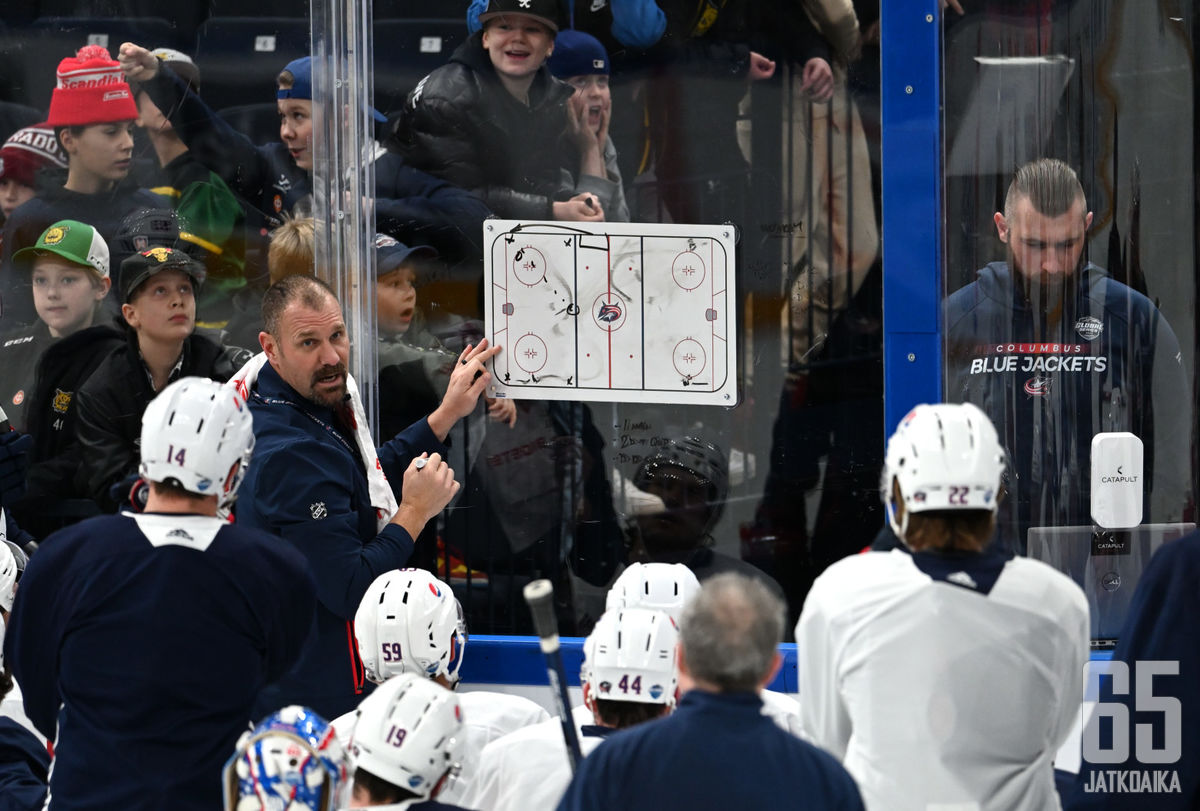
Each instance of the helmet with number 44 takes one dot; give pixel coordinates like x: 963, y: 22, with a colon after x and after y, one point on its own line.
x: 630, y: 656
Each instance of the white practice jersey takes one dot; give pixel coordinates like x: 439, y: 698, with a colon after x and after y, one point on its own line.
x: 488, y: 716
x: 943, y: 683
x: 525, y: 771
x: 783, y: 709
x: 13, y: 706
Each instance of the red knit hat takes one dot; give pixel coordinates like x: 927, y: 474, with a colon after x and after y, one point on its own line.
x: 91, y: 90
x: 29, y: 150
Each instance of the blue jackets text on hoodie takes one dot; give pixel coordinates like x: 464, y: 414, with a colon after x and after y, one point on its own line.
x: 1110, y: 362
x: 306, y: 484
x: 717, y: 751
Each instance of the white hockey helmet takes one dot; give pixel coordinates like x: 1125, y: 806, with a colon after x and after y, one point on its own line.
x: 410, y: 622
x: 10, y: 570
x: 409, y: 732
x: 660, y: 586
x: 292, y: 760
x: 200, y: 434
x: 631, y: 657
x: 8, y: 586
x: 943, y: 457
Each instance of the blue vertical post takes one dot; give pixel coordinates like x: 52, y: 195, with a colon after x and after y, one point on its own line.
x: 912, y: 206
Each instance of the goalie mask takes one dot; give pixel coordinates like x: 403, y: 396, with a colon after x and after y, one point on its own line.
x: 292, y: 761
x: 410, y: 622
x: 942, y: 457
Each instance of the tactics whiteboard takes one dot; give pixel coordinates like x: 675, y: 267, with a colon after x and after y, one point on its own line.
x: 611, y: 312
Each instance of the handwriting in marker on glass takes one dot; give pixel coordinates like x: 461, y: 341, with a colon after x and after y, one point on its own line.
x: 420, y: 463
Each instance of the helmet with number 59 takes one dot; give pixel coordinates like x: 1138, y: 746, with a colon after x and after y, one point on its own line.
x: 199, y: 434
x: 408, y: 621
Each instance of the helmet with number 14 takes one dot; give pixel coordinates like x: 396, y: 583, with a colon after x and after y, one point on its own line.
x: 200, y: 435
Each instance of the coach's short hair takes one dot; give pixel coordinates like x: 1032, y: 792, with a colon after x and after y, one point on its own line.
x: 308, y: 290
x: 730, y: 632
x: 1050, y: 185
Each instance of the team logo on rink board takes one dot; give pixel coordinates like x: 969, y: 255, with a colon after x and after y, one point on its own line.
x: 317, y: 510
x: 1089, y: 327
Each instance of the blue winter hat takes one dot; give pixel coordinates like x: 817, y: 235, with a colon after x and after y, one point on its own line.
x: 577, y: 54
x: 390, y: 253
x: 301, y: 70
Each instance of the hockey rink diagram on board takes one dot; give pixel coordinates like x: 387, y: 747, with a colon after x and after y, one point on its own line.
x: 611, y: 312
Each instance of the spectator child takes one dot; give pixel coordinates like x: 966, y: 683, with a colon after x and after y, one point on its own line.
x: 158, y: 288
x: 92, y: 112
x: 68, y: 266
x: 275, y: 177
x: 24, y: 155
x: 492, y: 119
x: 581, y: 61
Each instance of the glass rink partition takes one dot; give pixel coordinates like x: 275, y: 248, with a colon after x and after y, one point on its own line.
x: 895, y: 157
x: 1068, y: 294
x: 778, y: 486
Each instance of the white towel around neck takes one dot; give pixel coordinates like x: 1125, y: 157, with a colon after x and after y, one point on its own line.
x: 382, y: 497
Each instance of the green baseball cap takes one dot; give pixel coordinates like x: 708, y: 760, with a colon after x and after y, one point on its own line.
x: 72, y: 240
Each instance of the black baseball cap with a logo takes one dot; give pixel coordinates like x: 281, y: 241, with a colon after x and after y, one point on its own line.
x: 142, y: 265
x: 547, y: 12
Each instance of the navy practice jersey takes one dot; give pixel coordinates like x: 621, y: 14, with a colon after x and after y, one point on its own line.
x: 140, y: 642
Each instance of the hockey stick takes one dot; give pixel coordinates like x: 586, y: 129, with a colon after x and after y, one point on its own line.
x: 540, y: 596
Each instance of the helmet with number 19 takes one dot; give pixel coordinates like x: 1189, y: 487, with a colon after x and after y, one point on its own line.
x: 630, y: 656
x: 942, y: 457
x: 200, y: 434
x: 409, y: 733
x: 410, y: 622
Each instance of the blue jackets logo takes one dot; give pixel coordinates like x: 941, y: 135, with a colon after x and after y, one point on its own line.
x: 1037, y: 386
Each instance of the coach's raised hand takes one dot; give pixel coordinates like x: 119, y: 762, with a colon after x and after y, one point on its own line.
x: 467, y: 382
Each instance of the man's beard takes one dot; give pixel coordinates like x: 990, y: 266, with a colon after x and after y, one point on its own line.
x: 1052, y: 295
x: 330, y: 399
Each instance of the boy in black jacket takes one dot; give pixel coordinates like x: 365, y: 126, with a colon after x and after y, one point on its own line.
x: 158, y: 288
